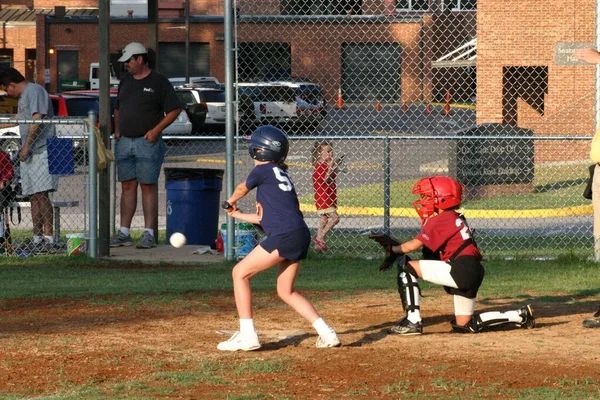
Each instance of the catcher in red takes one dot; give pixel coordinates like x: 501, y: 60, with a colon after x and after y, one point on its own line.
x: 452, y: 260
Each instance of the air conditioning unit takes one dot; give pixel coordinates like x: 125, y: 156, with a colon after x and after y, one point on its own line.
x: 129, y: 8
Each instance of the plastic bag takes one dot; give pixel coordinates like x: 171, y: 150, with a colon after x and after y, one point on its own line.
x: 104, y: 156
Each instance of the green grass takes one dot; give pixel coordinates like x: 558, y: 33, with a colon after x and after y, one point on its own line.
x: 494, y: 246
x: 168, y: 283
x: 554, y: 186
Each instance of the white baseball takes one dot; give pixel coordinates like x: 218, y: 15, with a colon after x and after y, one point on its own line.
x: 177, y: 240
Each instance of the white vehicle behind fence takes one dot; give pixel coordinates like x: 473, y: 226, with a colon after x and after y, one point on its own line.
x: 95, y: 76
x: 293, y: 106
x: 203, y: 81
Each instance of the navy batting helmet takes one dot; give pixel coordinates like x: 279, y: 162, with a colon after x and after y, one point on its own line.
x: 268, y: 143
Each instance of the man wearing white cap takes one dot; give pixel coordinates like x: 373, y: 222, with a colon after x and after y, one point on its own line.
x: 146, y: 104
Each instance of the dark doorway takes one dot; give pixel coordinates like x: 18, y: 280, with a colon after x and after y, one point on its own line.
x: 68, y: 65
x: 264, y: 61
x: 371, y: 72
x: 30, y: 64
x: 527, y: 83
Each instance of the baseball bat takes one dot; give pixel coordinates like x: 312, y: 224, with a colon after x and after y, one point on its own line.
x: 226, y: 206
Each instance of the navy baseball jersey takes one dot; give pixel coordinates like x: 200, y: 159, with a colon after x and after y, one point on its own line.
x: 276, y: 200
x: 445, y: 233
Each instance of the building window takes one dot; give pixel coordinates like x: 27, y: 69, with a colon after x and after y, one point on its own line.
x: 321, y: 7
x: 459, y: 5
x: 264, y: 61
x: 417, y: 5
x: 6, y: 58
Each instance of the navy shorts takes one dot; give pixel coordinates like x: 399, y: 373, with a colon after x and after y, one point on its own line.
x: 139, y: 159
x: 292, y: 245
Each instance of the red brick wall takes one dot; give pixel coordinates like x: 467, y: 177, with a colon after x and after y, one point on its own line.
x: 528, y: 37
x: 66, y: 3
x: 206, y: 7
x: 318, y: 55
x: 197, y: 7
x: 529, y: 40
x: 84, y: 38
x: 259, y: 7
x: 310, y: 57
x: 19, y: 39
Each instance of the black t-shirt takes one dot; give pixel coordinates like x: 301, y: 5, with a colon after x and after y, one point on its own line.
x: 143, y: 103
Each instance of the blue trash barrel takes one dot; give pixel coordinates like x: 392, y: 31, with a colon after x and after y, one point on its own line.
x: 193, y: 204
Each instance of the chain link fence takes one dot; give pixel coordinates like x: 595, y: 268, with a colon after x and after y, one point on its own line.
x: 401, y: 90
x: 407, y: 89
x: 517, y: 205
x: 38, y: 224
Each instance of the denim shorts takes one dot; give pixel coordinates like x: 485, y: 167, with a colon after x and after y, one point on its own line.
x: 292, y: 245
x: 139, y: 159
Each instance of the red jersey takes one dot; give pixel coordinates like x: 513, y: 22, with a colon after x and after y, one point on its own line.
x: 6, y: 168
x: 325, y: 188
x: 445, y: 233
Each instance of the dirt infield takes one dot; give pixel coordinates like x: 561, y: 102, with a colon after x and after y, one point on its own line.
x: 145, y: 348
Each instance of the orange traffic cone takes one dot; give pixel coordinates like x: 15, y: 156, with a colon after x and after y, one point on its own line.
x: 446, y: 109
x: 340, y: 101
x: 447, y: 104
x: 404, y: 107
x: 378, y: 106
x: 428, y: 109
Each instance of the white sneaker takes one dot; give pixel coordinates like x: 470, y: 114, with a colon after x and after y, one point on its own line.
x: 331, y: 340
x: 239, y: 341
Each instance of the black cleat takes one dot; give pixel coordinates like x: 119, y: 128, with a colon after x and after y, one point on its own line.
x: 405, y: 327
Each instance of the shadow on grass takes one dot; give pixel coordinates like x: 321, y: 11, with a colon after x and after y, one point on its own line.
x: 559, y: 185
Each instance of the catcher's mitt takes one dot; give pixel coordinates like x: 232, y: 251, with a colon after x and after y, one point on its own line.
x: 387, y: 242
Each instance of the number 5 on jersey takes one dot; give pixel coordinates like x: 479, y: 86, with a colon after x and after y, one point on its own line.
x: 286, y: 184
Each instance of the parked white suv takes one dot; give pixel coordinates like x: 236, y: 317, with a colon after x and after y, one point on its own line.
x: 281, y: 104
x: 310, y: 102
x: 202, y: 81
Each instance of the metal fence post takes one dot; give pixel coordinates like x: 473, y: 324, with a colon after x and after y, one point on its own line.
x: 229, y: 123
x: 92, y: 187
x: 112, y: 187
x: 386, y: 185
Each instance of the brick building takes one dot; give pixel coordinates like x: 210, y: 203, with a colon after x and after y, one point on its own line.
x: 413, y: 33
x: 518, y: 79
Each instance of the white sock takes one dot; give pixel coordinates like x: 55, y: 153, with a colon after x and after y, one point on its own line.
x: 49, y: 239
x: 124, y: 231
x: 414, y: 316
x: 37, y: 239
x: 150, y: 231
x: 321, y: 327
x: 247, y: 325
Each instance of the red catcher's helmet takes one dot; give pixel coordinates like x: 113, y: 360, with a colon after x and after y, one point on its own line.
x: 437, y: 193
